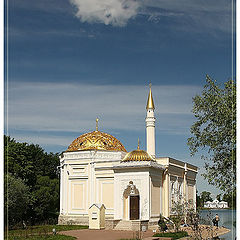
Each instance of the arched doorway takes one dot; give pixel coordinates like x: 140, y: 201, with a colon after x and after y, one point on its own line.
x: 131, y: 202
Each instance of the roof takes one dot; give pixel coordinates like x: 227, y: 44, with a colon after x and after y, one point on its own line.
x: 96, y: 140
x: 150, y: 103
x: 98, y: 205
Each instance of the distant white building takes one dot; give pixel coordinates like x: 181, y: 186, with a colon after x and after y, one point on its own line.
x: 216, y: 204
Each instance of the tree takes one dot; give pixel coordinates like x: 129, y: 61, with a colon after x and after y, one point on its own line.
x: 215, y: 132
x: 46, y: 196
x: 16, y: 199
x: 218, y: 197
x: 179, y: 209
x: 205, y: 196
x: 38, y: 171
x: 28, y: 161
x: 230, y: 199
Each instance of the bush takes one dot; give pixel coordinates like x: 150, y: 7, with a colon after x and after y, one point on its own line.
x: 162, y: 225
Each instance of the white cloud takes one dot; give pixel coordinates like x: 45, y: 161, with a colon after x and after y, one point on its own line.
x: 74, y: 107
x: 114, y: 12
x: 213, y: 15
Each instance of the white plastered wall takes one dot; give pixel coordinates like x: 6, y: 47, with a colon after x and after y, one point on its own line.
x: 86, y: 178
x: 142, y: 182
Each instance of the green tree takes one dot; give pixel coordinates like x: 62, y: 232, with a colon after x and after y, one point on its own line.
x: 215, y: 132
x: 230, y: 198
x: 16, y: 199
x: 38, y: 171
x: 46, y: 194
x: 28, y: 161
x: 204, y: 197
x: 218, y: 197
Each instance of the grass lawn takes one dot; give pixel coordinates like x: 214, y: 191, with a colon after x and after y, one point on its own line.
x: 47, y: 237
x: 173, y: 235
x: 42, y: 232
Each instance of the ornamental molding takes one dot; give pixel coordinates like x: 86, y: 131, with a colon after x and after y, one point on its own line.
x: 93, y: 155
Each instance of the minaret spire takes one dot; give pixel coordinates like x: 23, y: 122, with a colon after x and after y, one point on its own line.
x: 150, y: 124
x: 150, y: 103
x: 97, y: 124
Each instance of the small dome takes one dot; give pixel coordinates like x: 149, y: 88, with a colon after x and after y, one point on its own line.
x: 96, y: 140
x: 137, y: 155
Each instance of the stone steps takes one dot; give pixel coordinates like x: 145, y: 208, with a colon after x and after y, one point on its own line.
x: 123, y: 225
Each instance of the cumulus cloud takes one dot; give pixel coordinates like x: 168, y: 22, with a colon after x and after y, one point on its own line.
x: 114, y: 12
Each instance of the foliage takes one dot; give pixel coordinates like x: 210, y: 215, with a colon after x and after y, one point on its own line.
x: 215, y: 132
x: 218, y: 197
x: 46, y: 196
x: 16, y: 198
x: 38, y: 171
x: 161, y: 223
x: 206, y: 196
x: 230, y: 198
x: 193, y: 220
x: 172, y: 235
x: 28, y: 161
x: 203, y: 198
x: 179, y: 210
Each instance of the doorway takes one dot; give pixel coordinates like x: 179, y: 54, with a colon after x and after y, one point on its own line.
x: 134, y: 207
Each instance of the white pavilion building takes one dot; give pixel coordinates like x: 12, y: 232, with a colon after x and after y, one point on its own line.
x: 216, y: 204
x: 135, y: 187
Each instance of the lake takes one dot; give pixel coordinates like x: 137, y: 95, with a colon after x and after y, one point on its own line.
x: 227, y: 218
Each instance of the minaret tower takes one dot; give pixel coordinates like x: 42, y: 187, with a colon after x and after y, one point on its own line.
x: 150, y: 124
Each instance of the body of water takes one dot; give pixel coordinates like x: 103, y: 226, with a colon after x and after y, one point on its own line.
x: 227, y: 219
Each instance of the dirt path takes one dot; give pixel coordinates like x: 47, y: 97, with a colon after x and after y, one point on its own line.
x: 86, y: 234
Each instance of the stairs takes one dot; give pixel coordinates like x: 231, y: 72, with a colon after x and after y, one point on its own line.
x: 123, y: 225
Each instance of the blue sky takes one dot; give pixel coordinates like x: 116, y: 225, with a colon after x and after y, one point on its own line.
x: 70, y: 61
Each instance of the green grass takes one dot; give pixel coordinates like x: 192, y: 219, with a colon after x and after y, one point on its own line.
x: 47, y: 237
x: 47, y: 228
x: 42, y: 232
x: 172, y: 235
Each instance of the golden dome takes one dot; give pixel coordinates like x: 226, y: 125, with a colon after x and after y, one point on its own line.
x: 137, y: 155
x: 96, y: 140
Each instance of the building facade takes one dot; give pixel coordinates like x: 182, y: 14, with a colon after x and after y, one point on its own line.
x: 135, y: 187
x: 216, y: 204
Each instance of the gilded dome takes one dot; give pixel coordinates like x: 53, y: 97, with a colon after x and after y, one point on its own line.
x: 137, y: 155
x: 96, y: 140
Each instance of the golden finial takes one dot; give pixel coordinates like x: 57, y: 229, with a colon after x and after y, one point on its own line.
x: 150, y: 103
x: 97, y: 124
x: 138, y: 144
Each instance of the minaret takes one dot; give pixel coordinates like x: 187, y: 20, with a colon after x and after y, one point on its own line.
x: 150, y: 124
